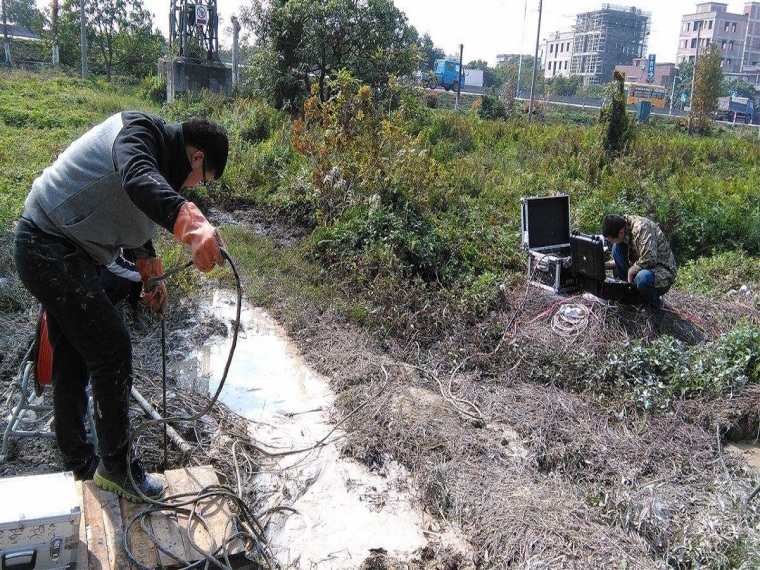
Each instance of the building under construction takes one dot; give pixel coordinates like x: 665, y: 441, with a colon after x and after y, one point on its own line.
x: 602, y: 39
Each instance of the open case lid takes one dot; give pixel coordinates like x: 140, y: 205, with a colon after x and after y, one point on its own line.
x: 588, y: 256
x: 545, y: 221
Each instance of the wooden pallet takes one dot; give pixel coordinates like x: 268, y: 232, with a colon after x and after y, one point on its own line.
x: 105, y: 516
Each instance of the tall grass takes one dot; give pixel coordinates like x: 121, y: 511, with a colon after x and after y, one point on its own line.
x: 416, y: 193
x: 39, y: 116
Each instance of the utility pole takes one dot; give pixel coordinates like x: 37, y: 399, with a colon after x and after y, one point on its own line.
x: 83, y: 42
x: 673, y: 92
x: 522, y: 42
x: 235, y: 49
x: 535, y: 64
x: 459, y: 77
x: 6, y: 43
x: 693, y: 79
x: 56, y: 55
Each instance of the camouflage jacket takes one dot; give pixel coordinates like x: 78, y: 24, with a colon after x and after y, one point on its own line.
x: 648, y: 248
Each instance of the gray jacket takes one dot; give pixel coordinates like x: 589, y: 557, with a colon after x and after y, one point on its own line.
x: 113, y: 186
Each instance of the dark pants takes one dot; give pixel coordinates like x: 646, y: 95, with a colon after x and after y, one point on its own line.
x: 644, y: 279
x: 89, y: 340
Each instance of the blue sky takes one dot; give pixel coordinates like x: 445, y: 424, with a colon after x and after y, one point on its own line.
x: 490, y: 27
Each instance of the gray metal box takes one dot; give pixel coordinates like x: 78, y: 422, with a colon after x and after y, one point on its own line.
x: 39, y: 522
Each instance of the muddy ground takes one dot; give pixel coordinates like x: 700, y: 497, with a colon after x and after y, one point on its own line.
x: 505, y: 439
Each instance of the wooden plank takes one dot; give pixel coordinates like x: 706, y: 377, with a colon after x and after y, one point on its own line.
x: 96, y: 534
x: 167, y: 531
x: 114, y: 531
x: 181, y: 482
x: 140, y: 545
x: 216, y: 510
x: 82, y: 563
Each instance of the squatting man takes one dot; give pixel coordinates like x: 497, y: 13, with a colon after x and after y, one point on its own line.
x: 640, y: 254
x: 110, y: 189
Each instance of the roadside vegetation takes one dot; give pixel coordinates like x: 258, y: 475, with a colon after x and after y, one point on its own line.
x: 407, y: 227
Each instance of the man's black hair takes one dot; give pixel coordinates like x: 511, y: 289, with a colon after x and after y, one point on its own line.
x: 611, y: 225
x: 211, y: 138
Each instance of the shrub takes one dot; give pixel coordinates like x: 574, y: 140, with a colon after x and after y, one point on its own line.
x: 431, y: 99
x: 654, y: 376
x: 614, y: 118
x: 154, y: 89
x: 491, y: 108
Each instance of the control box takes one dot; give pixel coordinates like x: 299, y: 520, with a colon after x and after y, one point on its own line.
x: 39, y: 522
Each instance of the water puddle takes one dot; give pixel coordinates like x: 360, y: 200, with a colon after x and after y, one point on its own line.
x: 342, y: 510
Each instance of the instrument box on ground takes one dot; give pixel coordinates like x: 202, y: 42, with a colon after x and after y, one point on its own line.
x: 39, y: 522
x: 587, y: 252
x: 546, y: 238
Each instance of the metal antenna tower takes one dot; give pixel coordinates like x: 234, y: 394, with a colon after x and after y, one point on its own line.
x: 194, y: 29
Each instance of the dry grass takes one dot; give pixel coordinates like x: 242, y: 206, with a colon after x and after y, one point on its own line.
x: 505, y: 437
x: 509, y: 443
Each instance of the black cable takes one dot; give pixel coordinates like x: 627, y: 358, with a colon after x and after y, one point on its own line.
x: 163, y: 386
x: 176, y: 503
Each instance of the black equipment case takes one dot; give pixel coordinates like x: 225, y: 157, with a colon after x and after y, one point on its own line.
x: 546, y: 238
x: 587, y: 252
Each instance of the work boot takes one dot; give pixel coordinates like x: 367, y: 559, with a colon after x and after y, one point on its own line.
x: 118, y: 482
x: 87, y: 469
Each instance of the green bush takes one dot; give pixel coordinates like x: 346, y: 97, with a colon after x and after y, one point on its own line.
x: 719, y: 274
x: 654, y: 376
x: 154, y: 89
x: 491, y: 108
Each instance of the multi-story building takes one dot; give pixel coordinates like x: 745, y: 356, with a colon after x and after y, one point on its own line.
x: 712, y: 23
x: 605, y: 38
x: 506, y: 58
x: 557, y: 53
x: 751, y: 55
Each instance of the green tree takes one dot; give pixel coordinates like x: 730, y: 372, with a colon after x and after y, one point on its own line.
x: 25, y: 13
x: 737, y: 87
x: 429, y: 52
x: 564, y: 86
x: 490, y: 77
x: 707, y: 83
x: 507, y: 72
x: 590, y: 91
x: 308, y: 41
x: 119, y: 36
x: 281, y: 60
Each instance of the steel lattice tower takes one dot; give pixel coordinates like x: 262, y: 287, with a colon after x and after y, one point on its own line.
x: 194, y: 29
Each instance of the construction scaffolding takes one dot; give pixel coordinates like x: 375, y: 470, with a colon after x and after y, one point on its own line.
x: 614, y: 35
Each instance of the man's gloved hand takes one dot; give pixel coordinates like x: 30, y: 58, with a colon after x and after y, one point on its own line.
x: 193, y: 229
x: 154, y: 294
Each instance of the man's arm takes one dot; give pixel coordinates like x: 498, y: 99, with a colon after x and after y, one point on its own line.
x: 137, y: 151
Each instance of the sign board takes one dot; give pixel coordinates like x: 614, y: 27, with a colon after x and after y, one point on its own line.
x: 650, y: 68
x: 201, y: 15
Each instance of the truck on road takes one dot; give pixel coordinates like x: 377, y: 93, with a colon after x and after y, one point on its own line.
x: 735, y: 109
x: 447, y: 74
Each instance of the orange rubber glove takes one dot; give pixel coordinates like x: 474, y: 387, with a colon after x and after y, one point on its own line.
x: 193, y: 229
x: 154, y: 295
